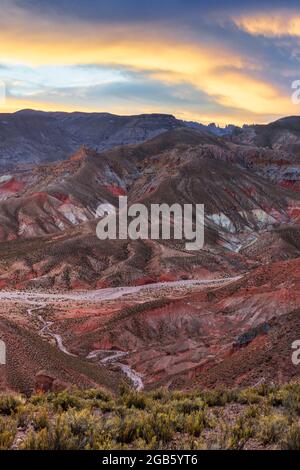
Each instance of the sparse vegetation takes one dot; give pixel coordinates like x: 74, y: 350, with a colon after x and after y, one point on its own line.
x: 9, y: 404
x: 261, y: 417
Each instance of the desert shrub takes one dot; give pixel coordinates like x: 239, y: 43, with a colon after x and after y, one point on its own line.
x: 292, y: 387
x: 252, y: 411
x: 9, y: 404
x: 81, y: 423
x: 163, y: 425
x: 141, y: 425
x: 187, y: 405
x: 158, y: 394
x: 41, y: 419
x: 218, y: 397
x: 134, y: 399
x: 249, y: 396
x: 104, y: 441
x: 236, y: 436
x: 277, y: 398
x: 271, y: 428
x: 67, y: 432
x: 65, y: 400
x: 291, y: 439
x: 96, y: 394
x: 288, y: 400
x: 8, y: 431
x: 94, y: 419
x: 176, y: 395
x: 129, y: 428
x: 104, y: 406
x: 141, y: 444
x: 196, y: 422
x: 23, y: 415
x: 291, y: 397
x: 46, y: 440
x: 287, y: 396
x: 265, y: 389
x: 39, y: 399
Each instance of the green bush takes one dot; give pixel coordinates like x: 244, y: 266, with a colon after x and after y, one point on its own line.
x: 271, y: 428
x: 140, y: 425
x: 134, y: 399
x: 41, y: 419
x: 291, y: 440
x: 237, y: 435
x: 219, y: 397
x: 69, y: 431
x: 9, y: 404
x: 96, y: 394
x: 23, y: 416
x: 250, y: 396
x: 8, y: 431
x: 188, y: 405
x: 65, y: 400
x: 196, y: 423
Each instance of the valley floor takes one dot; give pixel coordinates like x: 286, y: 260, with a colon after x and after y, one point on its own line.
x: 47, y: 313
x: 233, y: 331
x: 105, y: 294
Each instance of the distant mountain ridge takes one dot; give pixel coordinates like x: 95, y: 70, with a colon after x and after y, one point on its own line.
x: 283, y: 134
x: 34, y: 137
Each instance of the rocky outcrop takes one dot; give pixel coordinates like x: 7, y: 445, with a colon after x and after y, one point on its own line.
x: 46, y: 382
x: 43, y: 382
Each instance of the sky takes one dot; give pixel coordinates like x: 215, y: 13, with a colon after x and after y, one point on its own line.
x: 228, y: 62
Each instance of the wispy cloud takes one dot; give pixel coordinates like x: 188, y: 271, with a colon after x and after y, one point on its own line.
x: 276, y: 23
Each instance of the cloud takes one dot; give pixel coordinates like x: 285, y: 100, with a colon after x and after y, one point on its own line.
x: 136, y: 92
x: 272, y: 24
x: 210, y: 61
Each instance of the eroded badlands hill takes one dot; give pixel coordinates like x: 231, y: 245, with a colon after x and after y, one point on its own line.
x: 234, y: 327
x: 48, y: 228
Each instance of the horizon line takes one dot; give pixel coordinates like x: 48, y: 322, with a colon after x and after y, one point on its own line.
x: 145, y: 114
